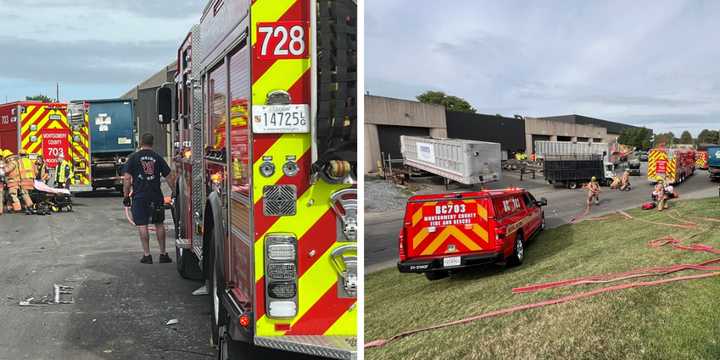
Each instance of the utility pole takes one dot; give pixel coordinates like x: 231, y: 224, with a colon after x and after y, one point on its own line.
x: 57, y: 92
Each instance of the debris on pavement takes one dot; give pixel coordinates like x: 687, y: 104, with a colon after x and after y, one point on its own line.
x: 172, y: 322
x: 61, y: 295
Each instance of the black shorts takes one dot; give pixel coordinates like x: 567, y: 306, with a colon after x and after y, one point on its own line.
x: 148, y: 211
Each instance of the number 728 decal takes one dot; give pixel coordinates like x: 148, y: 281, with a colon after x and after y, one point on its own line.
x: 282, y: 40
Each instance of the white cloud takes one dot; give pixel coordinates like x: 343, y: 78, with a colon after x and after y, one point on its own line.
x: 622, y: 61
x: 89, y: 44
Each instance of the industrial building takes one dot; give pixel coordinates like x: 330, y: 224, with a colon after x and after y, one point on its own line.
x: 145, y: 110
x: 571, y: 128
x: 509, y: 132
x: 387, y: 118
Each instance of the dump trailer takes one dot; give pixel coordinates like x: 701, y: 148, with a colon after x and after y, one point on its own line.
x: 672, y: 165
x: 464, y: 161
x: 713, y: 162
x: 572, y: 171
x: 264, y: 145
x: 113, y: 139
x: 48, y: 129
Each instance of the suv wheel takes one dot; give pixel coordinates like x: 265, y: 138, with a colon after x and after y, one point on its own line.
x: 518, y: 252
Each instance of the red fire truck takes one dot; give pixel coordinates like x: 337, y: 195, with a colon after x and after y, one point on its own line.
x: 446, y: 232
x: 262, y: 115
x: 49, y: 129
x: 672, y: 165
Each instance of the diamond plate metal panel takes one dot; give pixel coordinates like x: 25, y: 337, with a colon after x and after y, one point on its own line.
x: 335, y: 347
x: 279, y: 200
x: 198, y: 187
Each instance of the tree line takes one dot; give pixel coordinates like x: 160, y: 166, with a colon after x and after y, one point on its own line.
x: 643, y: 138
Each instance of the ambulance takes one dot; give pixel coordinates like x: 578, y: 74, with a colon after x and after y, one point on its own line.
x: 48, y: 130
x: 263, y: 120
x: 445, y: 232
x: 672, y: 165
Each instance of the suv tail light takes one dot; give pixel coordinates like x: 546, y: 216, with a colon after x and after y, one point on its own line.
x: 281, y: 279
x: 500, y: 236
x: 401, y: 244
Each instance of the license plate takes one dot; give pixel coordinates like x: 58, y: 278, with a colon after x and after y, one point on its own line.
x: 281, y: 119
x: 452, y: 261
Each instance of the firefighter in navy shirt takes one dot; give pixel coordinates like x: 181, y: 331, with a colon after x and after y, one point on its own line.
x: 143, y: 171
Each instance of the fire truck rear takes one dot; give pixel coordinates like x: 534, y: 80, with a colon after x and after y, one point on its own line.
x: 49, y: 130
x: 672, y: 165
x: 263, y: 126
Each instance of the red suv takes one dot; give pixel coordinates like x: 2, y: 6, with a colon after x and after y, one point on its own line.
x: 450, y: 231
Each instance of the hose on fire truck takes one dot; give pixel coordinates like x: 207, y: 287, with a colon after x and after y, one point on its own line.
x: 676, y: 244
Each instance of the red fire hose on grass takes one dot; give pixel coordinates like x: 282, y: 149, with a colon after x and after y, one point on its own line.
x: 656, y: 271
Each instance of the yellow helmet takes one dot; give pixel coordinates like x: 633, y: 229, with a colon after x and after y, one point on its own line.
x: 593, y: 179
x: 7, y: 153
x: 22, y: 152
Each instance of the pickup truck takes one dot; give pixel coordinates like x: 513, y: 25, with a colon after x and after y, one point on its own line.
x: 446, y: 232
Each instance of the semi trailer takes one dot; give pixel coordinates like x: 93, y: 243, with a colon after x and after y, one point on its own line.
x: 464, y: 161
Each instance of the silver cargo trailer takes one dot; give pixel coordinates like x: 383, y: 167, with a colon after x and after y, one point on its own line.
x: 464, y: 161
x: 543, y: 148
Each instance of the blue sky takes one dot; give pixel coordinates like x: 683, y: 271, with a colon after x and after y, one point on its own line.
x: 650, y: 63
x: 94, y: 48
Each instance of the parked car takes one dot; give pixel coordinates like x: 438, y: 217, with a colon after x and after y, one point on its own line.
x: 642, y: 155
x: 446, y: 232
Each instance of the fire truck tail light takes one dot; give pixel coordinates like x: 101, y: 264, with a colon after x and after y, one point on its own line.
x: 281, y: 271
x: 282, y: 290
x: 281, y: 275
x: 282, y: 309
x: 281, y: 252
x: 244, y: 320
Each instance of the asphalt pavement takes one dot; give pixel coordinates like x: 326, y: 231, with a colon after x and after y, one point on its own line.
x: 120, y: 307
x: 381, y: 228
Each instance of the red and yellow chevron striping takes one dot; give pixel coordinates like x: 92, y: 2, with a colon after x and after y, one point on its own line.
x: 320, y: 310
x: 472, y: 237
x: 38, y: 118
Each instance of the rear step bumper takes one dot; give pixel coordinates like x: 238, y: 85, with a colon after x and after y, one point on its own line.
x: 334, y: 347
x: 433, y: 264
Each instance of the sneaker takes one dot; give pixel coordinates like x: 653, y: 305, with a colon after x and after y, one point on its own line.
x: 200, y: 291
x: 146, y: 259
x: 164, y: 258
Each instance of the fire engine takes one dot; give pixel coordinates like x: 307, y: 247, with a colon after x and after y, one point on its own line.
x: 702, y: 156
x: 673, y: 165
x: 446, y: 232
x: 49, y: 130
x: 262, y: 115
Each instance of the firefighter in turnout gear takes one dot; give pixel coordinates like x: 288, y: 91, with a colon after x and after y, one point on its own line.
x: 593, y: 192
x: 42, y: 172
x: 19, y: 169
x: 3, y: 154
x: 63, y: 173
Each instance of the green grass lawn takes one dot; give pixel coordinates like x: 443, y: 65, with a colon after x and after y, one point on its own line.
x: 679, y: 320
